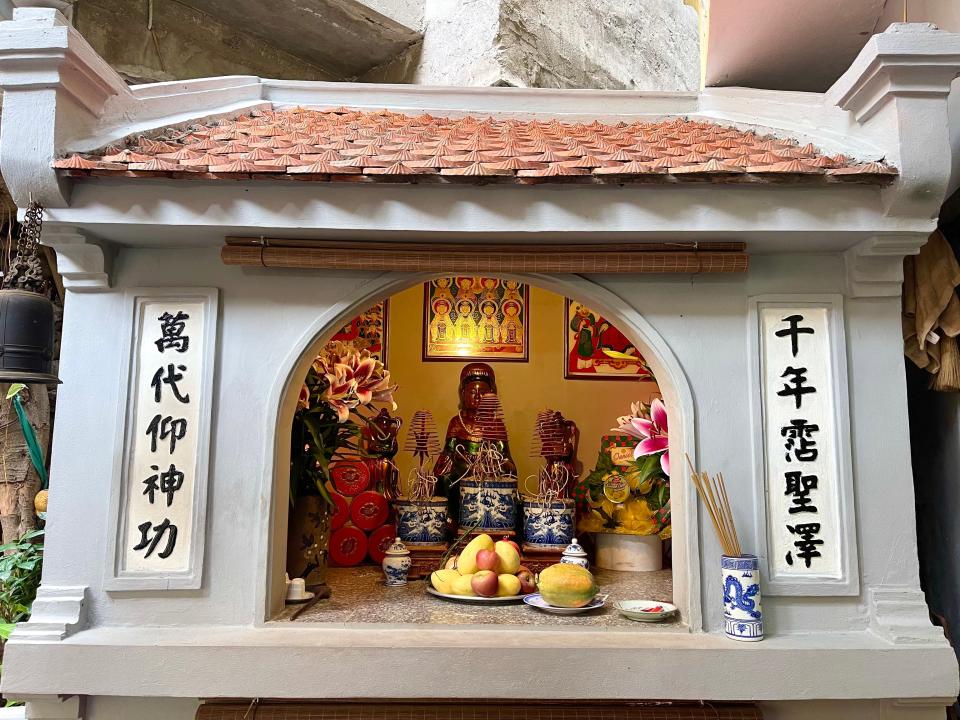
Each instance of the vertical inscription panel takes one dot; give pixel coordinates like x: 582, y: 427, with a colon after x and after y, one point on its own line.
x: 160, y: 499
x: 805, y: 526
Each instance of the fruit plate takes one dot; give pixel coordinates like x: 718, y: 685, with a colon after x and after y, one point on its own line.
x: 535, y: 600
x: 645, y: 610
x: 476, y: 598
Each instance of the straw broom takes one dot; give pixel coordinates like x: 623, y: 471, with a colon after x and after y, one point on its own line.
x: 713, y: 493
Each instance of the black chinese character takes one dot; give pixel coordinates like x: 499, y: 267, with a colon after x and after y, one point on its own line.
x: 794, y: 331
x: 166, y: 427
x: 807, y: 544
x: 798, y: 381
x: 150, y: 544
x: 167, y: 482
x: 169, y: 376
x: 799, y: 486
x: 800, y: 443
x: 171, y: 332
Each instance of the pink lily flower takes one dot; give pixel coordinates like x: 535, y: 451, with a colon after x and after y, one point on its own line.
x: 341, y: 394
x: 651, y: 432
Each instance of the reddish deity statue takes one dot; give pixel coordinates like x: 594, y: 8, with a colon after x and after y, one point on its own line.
x: 463, y: 434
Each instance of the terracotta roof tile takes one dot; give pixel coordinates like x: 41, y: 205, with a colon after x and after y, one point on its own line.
x: 630, y: 168
x: 320, y: 144
x: 323, y: 167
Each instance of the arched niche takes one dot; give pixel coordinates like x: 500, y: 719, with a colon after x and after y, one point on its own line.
x: 274, y: 497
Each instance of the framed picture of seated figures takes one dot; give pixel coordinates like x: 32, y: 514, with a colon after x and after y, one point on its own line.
x: 476, y: 318
x: 368, y: 331
x: 594, y: 349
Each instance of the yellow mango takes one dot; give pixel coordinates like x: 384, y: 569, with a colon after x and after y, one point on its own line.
x: 467, y: 562
x: 509, y: 557
x: 461, y: 585
x: 508, y: 585
x: 442, y: 579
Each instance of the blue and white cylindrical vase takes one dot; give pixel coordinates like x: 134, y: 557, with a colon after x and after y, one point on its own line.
x: 421, y: 522
x: 742, y: 615
x: 491, y: 503
x: 548, y: 524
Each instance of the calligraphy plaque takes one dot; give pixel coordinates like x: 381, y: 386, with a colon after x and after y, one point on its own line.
x: 160, y: 499
x: 806, y: 524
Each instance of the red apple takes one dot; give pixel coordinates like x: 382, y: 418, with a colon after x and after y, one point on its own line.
x: 527, y: 582
x: 508, y: 540
x: 485, y: 583
x: 488, y: 560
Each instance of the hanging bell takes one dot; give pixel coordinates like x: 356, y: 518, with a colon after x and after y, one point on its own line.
x: 26, y: 338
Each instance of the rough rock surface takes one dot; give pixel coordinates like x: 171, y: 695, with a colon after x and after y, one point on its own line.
x: 610, y: 44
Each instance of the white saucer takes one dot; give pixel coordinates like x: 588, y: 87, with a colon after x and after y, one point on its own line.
x: 645, y: 610
x: 536, y: 600
x: 307, y: 597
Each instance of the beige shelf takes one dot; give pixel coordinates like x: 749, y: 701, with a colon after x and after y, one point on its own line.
x: 359, y: 596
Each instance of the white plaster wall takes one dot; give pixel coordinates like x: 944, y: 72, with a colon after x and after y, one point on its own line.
x: 264, y: 313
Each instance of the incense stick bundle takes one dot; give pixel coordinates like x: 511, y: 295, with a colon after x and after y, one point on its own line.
x: 713, y: 493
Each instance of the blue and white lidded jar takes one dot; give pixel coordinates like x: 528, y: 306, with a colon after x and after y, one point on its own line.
x: 575, y: 555
x: 742, y: 615
x: 396, y: 564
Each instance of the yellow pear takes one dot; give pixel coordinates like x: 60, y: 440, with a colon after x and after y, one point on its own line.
x: 508, y: 586
x: 467, y: 562
x: 509, y: 557
x: 461, y: 585
x: 442, y: 579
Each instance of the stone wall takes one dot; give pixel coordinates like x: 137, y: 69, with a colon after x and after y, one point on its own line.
x: 630, y: 44
x: 184, y: 43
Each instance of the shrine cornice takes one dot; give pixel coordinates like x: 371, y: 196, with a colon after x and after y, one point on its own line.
x: 260, y: 662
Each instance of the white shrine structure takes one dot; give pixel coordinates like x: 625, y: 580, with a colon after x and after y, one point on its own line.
x: 254, y: 217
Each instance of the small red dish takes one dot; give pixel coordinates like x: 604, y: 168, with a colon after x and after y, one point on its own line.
x: 369, y: 510
x: 350, y: 477
x: 348, y: 546
x: 341, y: 511
x: 380, y: 541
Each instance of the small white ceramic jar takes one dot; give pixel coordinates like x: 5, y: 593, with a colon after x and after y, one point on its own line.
x: 574, y: 554
x: 396, y: 564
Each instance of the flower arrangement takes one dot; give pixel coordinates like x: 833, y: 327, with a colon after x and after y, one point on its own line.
x: 632, y: 498
x: 338, y: 399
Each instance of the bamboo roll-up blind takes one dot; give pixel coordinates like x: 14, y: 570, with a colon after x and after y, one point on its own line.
x: 475, y: 710
x: 479, y: 258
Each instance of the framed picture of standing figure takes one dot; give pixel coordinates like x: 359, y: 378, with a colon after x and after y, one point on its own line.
x: 594, y: 349
x: 476, y: 318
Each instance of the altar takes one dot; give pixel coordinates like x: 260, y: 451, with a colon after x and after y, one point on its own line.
x: 484, y: 320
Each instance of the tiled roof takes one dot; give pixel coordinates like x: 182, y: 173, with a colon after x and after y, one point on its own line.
x: 347, y: 145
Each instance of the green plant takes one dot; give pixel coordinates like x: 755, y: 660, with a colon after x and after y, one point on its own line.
x: 20, y: 565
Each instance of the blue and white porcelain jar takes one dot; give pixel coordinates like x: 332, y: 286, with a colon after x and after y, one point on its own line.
x: 742, y: 615
x: 421, y: 522
x: 574, y: 554
x: 548, y: 524
x: 396, y: 564
x: 488, y: 504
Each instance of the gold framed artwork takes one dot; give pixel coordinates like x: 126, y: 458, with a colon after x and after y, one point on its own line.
x: 594, y: 349
x: 368, y: 331
x: 476, y: 318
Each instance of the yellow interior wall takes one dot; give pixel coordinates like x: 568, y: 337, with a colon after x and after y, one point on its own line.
x: 525, y: 388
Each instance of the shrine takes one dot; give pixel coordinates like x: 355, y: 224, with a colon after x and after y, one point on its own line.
x: 532, y: 399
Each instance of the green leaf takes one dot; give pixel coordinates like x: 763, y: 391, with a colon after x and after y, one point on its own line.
x: 14, y: 389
